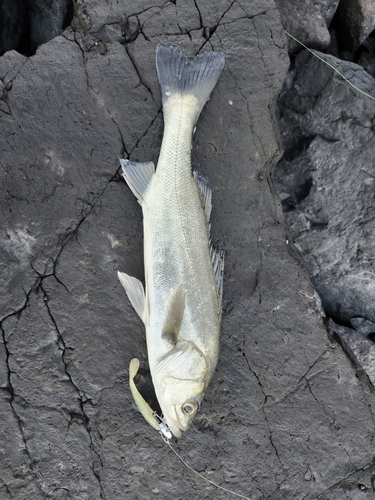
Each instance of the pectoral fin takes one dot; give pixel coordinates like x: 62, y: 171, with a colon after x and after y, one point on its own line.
x: 142, y: 405
x: 137, y: 176
x: 174, y: 313
x: 136, y: 294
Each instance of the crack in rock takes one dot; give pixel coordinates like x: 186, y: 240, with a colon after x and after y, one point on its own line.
x: 302, y: 378
x: 6, y: 487
x: 339, y: 482
x: 332, y: 423
x: 91, y: 89
x: 145, y: 133
x: 132, y: 60
x: 19, y: 311
x: 10, y: 389
x: 213, y: 29
x: 72, y: 233
x: 85, y: 418
x: 264, y: 404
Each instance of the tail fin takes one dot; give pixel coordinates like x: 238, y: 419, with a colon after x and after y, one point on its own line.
x: 179, y: 74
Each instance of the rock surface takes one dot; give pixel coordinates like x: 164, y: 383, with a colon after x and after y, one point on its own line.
x: 285, y: 415
x: 308, y: 21
x: 326, y: 181
x: 359, y: 349
x: 357, y: 21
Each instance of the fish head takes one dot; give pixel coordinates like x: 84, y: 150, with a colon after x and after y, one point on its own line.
x: 180, y: 379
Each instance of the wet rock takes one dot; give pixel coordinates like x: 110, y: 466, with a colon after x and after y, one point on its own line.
x: 357, y: 21
x: 308, y: 21
x: 281, y: 417
x: 326, y: 182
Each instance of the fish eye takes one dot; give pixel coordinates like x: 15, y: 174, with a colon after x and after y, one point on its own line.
x: 190, y: 408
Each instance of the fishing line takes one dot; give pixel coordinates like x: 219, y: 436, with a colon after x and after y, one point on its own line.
x: 200, y: 475
x: 330, y: 65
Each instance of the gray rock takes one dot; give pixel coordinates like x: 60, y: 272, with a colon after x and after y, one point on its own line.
x: 360, y: 351
x: 280, y: 419
x: 308, y: 21
x: 363, y: 326
x: 326, y: 181
x: 357, y: 21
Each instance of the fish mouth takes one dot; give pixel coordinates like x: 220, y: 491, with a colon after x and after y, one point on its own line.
x: 177, y: 432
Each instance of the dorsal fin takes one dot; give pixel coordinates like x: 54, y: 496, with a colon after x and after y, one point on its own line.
x: 205, y: 192
x: 217, y: 256
x: 137, y: 176
x: 174, y: 313
x: 217, y: 259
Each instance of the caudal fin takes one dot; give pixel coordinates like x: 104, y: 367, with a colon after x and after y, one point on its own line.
x: 179, y: 74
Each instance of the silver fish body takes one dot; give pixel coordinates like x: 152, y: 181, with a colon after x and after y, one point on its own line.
x: 181, y: 308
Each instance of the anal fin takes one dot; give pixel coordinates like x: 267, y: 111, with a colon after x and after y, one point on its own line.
x: 137, y: 176
x: 136, y: 294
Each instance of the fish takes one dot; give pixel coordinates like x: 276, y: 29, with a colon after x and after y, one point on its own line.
x: 180, y: 305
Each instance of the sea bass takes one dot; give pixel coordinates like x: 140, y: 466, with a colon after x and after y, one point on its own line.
x: 181, y: 306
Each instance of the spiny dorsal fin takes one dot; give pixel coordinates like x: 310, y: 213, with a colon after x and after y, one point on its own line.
x: 217, y: 259
x: 205, y: 192
x: 174, y: 313
x: 137, y: 176
x: 136, y: 294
